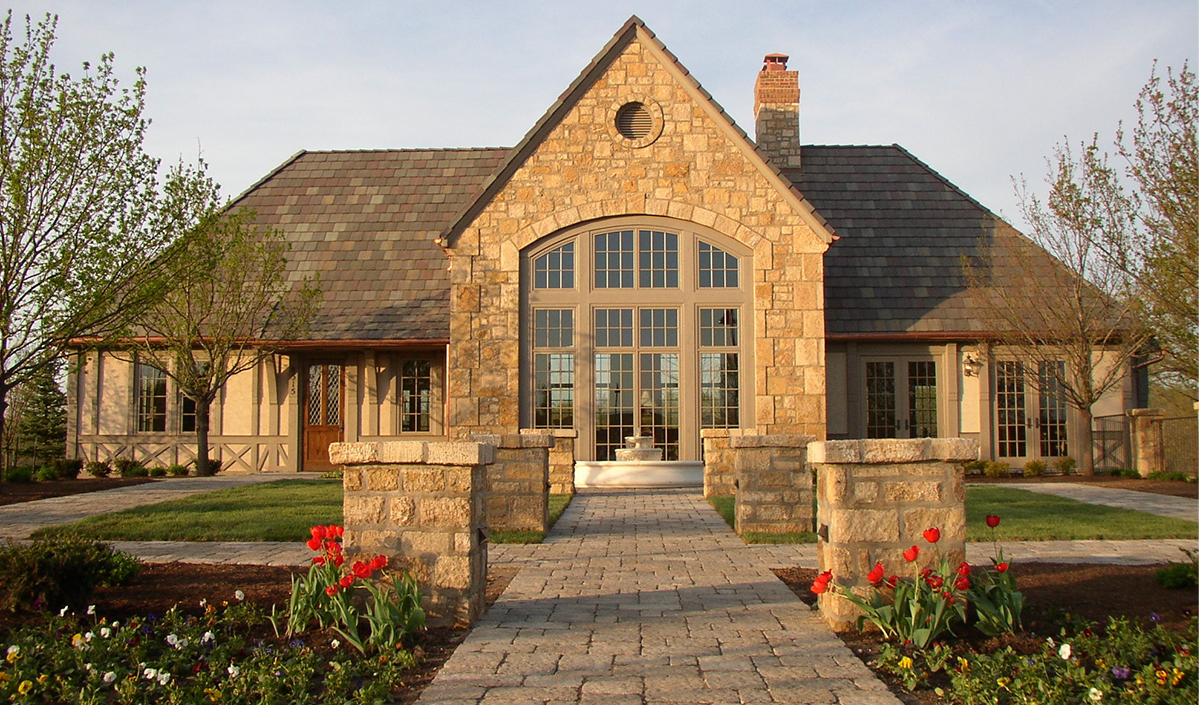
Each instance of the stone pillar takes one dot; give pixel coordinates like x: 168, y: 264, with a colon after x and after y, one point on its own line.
x: 718, y: 461
x: 774, y: 484
x: 875, y: 499
x: 422, y: 505
x: 562, y: 458
x: 518, y: 487
x: 1146, y: 437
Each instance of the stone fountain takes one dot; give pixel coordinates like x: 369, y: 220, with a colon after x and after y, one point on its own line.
x: 639, y: 448
x: 638, y: 464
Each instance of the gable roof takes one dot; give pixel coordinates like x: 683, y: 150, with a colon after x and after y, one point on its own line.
x: 905, y: 232
x: 633, y: 29
x: 365, y: 222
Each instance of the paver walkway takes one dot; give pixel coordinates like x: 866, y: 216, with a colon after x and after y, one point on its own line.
x: 648, y: 597
x: 17, y: 521
x: 1158, y: 504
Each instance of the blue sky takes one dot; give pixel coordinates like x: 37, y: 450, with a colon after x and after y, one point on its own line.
x: 981, y: 91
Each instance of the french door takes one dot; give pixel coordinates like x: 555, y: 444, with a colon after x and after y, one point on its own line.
x: 901, y: 398
x: 323, y: 415
x: 1031, y: 411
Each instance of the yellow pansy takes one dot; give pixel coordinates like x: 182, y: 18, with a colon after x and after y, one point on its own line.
x: 25, y: 687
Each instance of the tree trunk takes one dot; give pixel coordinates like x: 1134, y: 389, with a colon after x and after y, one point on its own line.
x: 3, y: 449
x: 203, y: 407
x: 1087, y: 461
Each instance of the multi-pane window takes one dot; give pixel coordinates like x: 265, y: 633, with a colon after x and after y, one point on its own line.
x: 555, y: 269
x: 612, y: 255
x: 660, y: 401
x: 719, y: 390
x: 614, y: 328
x: 1052, y: 409
x: 1010, y: 409
x: 416, y: 396
x: 922, y: 399
x: 323, y: 401
x: 718, y: 327
x: 658, y: 259
x: 881, y: 400
x: 554, y: 372
x: 151, y: 385
x: 614, y: 402
x: 187, y: 415
x: 554, y: 328
x: 718, y: 269
x: 659, y: 327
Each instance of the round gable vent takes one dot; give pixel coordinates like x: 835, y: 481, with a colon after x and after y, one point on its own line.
x: 634, y: 121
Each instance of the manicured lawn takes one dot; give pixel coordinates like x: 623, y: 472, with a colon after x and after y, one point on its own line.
x: 1029, y: 516
x: 558, y: 504
x: 275, y: 511
x: 1025, y: 516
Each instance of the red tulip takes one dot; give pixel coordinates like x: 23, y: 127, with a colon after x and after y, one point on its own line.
x: 911, y: 554
x: 361, y: 569
x: 318, y: 532
x: 892, y: 581
x: 934, y: 581
x: 314, y: 544
x: 948, y: 597
x: 963, y: 569
x: 331, y: 590
x: 962, y: 583
x: 318, y: 560
x: 337, y: 531
x: 932, y: 534
x: 992, y: 520
x: 875, y: 577
x: 378, y: 562
x: 821, y: 584
x: 1001, y: 567
x: 338, y: 560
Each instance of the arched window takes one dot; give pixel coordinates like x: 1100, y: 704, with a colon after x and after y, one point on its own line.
x: 637, y: 324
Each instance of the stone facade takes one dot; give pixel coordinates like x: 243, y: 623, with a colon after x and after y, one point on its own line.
x: 694, y: 167
x: 518, y: 482
x: 875, y: 498
x: 422, y: 505
x: 774, y: 484
x: 1146, y: 439
x: 562, y: 458
x: 719, y: 476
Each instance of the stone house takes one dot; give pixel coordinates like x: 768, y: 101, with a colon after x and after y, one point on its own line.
x: 636, y: 262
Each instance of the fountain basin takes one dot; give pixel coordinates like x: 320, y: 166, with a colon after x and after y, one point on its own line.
x: 633, y: 473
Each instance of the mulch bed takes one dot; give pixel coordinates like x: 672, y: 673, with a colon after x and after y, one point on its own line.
x: 17, y: 492
x: 1167, y: 487
x: 1090, y: 592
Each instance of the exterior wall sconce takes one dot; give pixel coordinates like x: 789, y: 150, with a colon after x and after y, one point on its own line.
x: 971, y: 365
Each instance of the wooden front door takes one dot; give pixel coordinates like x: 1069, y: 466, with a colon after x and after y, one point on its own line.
x: 322, y: 415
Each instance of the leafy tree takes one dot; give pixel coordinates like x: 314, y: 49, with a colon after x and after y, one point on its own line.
x: 81, y: 216
x: 223, y: 303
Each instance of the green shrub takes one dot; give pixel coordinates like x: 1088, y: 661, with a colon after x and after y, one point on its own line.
x: 46, y: 473
x: 1065, y: 466
x: 975, y: 467
x: 177, y: 470
x: 158, y: 472
x: 1035, y: 468
x: 128, y: 467
x: 98, y: 468
x: 1176, y: 476
x: 1180, y: 575
x: 68, y: 468
x: 995, y: 469
x: 62, y: 571
x: 19, y: 473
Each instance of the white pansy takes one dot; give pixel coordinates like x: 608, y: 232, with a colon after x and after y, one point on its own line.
x: 110, y: 677
x: 173, y: 639
x: 150, y: 673
x: 335, y: 643
x: 234, y: 671
x: 105, y: 632
x: 14, y: 649
x: 63, y: 612
x: 208, y: 638
x: 239, y: 595
x: 164, y: 678
x: 89, y: 636
x: 1095, y: 695
x: 91, y: 609
x: 1064, y: 652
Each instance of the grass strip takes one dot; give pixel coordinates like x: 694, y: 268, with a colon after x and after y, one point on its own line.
x: 724, y: 504
x: 558, y: 504
x: 275, y: 511
x: 1029, y: 516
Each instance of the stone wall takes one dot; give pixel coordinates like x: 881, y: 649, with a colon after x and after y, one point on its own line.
x: 421, y: 505
x: 517, y: 482
x: 1146, y: 438
x: 719, y: 475
x: 774, y: 484
x: 875, y: 498
x: 561, y: 472
x: 700, y: 170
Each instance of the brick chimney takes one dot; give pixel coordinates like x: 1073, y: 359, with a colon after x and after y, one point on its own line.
x: 777, y: 112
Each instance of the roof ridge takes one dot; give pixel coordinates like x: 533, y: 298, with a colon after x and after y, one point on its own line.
x: 270, y: 175
x: 398, y: 150
x: 951, y: 184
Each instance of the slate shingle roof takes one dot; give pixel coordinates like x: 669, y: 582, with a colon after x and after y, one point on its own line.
x: 365, y: 221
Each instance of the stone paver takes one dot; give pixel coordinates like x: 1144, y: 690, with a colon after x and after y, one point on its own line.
x: 645, y: 596
x: 17, y: 521
x: 1161, y: 505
